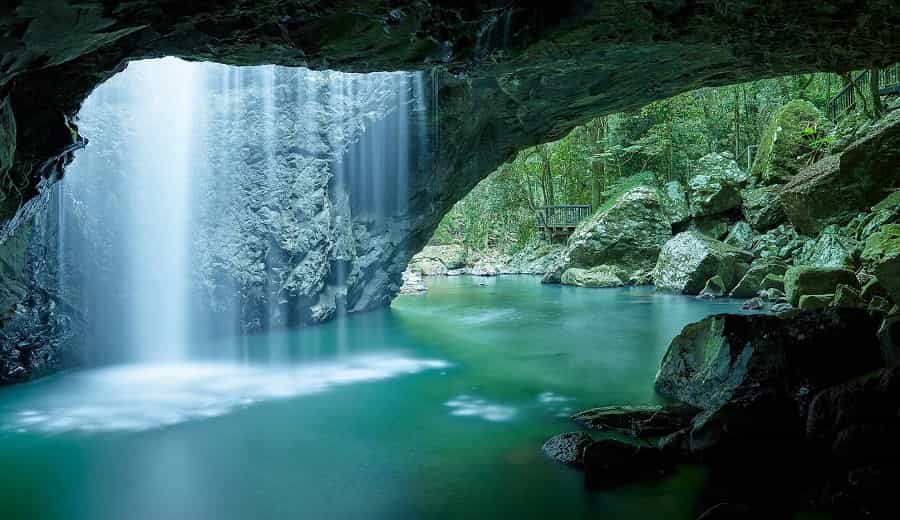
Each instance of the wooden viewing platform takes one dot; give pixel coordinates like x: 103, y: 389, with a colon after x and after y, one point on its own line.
x: 556, y: 221
x: 846, y: 99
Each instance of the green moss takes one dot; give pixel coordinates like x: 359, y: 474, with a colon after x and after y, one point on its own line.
x: 884, y: 243
x: 890, y: 202
x: 792, y: 136
x: 625, y: 185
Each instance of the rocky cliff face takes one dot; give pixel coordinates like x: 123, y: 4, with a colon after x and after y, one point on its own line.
x: 512, y: 75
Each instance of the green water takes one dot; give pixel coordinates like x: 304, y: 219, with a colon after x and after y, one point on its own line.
x: 435, y: 408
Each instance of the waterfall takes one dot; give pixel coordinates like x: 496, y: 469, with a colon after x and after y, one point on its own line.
x: 213, y: 202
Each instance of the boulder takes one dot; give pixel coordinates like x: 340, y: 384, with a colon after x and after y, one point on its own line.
x: 536, y: 258
x: 600, y: 276
x: 837, y: 188
x: 773, y: 282
x: 847, y: 296
x: 627, y: 234
x: 785, y: 144
x: 675, y: 203
x: 638, y: 421
x: 752, y: 282
x: 714, y: 288
x: 689, y: 259
x: 762, y: 208
x: 753, y: 376
x: 832, y: 248
x: 801, y: 280
x: 871, y: 289
x: 713, y: 227
x: 881, y: 256
x: 437, y: 260
x: 880, y: 305
x: 753, y: 304
x: 741, y: 235
x: 567, y: 448
x: 412, y: 283
x: 725, y: 357
x: 810, y: 302
x: 781, y: 242
x: 871, y: 399
x: 712, y: 195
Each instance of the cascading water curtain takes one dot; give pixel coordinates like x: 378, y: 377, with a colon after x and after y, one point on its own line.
x: 216, y: 201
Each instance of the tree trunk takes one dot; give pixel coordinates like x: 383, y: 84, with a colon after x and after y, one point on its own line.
x: 598, y: 164
x: 874, y: 87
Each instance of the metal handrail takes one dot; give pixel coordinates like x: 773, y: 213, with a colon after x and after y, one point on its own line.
x: 845, y: 100
x: 566, y: 215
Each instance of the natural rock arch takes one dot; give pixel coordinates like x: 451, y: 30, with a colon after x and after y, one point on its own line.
x: 516, y: 75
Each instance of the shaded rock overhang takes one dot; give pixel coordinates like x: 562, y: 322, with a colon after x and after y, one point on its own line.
x: 515, y: 73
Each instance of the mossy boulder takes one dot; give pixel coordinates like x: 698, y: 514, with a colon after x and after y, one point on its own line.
x: 689, y: 259
x: 837, y: 188
x: 437, y: 260
x: 831, y: 249
x: 752, y: 282
x: 762, y: 208
x: 717, y: 188
x: 741, y: 235
x: 803, y: 280
x: 599, y: 276
x: 753, y: 358
x: 627, y: 234
x: 810, y: 302
x: 675, y: 202
x: 847, y: 296
x: 714, y: 288
x: 784, y: 147
x: 711, y: 226
x: 881, y: 256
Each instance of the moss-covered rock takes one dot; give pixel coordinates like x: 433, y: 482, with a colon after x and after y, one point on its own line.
x: 871, y: 289
x: 847, y: 296
x: 437, y: 260
x: 881, y: 256
x: 762, y: 208
x: 675, y: 203
x: 712, y: 226
x: 627, y: 234
x: 784, y: 147
x: 689, y: 259
x: 717, y: 188
x: 741, y: 235
x: 728, y: 357
x: 831, y: 249
x: 837, y: 188
x: 714, y: 288
x: 752, y: 282
x: 804, y: 280
x: 599, y: 276
x: 810, y: 302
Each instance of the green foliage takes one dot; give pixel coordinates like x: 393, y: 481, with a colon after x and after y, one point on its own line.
x: 611, y: 154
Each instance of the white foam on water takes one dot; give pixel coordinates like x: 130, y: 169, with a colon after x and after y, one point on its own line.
x: 144, y: 397
x: 470, y: 406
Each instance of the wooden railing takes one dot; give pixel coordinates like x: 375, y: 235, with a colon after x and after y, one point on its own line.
x: 563, y: 216
x: 845, y: 100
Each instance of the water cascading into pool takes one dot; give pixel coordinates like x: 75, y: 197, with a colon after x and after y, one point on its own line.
x: 217, y: 201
